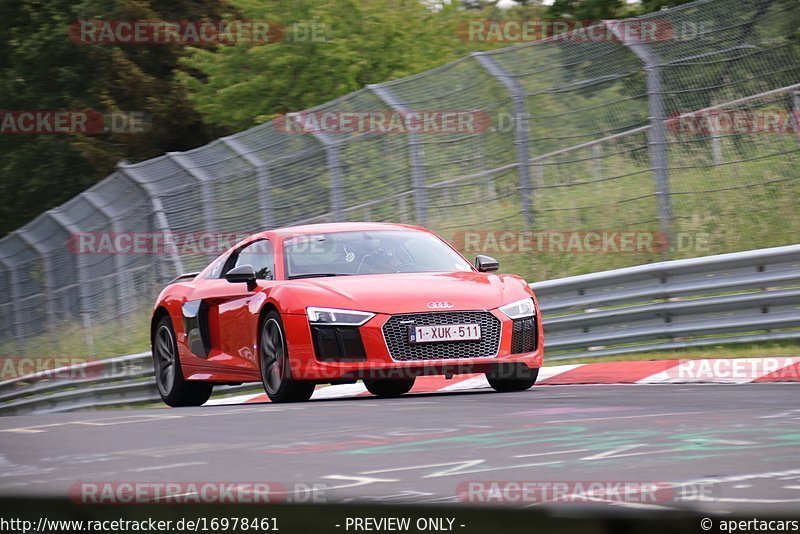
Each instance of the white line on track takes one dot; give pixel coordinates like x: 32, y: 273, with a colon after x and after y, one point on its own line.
x: 588, y: 419
x: 160, y: 467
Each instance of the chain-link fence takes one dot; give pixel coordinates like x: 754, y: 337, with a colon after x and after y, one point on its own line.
x: 685, y: 128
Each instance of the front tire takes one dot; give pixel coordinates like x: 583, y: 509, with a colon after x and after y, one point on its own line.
x: 173, y: 388
x: 515, y: 377
x: 276, y: 373
x: 389, y: 388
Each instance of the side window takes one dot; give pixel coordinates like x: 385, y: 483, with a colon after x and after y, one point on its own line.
x: 261, y: 256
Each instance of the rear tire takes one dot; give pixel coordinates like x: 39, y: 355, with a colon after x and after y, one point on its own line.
x: 276, y: 372
x: 514, y: 377
x: 173, y: 388
x: 389, y: 388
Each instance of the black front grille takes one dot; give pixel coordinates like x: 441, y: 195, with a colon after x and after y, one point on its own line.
x: 523, y: 335
x: 395, y: 332
x: 338, y: 343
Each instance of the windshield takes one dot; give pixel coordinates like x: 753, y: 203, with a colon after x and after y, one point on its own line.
x: 380, y: 252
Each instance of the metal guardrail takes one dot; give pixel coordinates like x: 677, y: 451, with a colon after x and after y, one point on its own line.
x: 743, y: 297
x: 122, y: 381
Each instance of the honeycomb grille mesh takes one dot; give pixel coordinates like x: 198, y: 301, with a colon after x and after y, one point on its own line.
x: 523, y: 335
x: 337, y: 343
x: 395, y: 332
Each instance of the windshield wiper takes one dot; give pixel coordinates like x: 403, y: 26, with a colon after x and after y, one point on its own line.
x: 314, y: 275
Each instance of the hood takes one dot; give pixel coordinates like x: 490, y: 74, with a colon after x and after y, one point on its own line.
x: 404, y: 292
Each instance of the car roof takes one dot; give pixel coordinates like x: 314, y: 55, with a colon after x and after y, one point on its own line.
x: 326, y: 228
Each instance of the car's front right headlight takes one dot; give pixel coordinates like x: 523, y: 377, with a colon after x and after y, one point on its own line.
x: 333, y: 316
x: 519, y: 309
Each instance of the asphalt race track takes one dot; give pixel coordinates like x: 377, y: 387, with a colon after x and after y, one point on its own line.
x: 739, y: 442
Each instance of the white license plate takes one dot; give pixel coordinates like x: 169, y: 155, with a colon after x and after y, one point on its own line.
x: 444, y: 332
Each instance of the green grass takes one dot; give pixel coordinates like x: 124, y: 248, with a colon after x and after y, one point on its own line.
x: 717, y: 209
x: 115, y: 338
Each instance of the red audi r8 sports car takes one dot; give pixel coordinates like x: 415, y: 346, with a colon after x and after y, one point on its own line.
x: 337, y: 303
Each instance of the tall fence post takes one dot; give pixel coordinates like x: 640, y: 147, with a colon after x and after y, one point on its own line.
x: 597, y: 167
x: 597, y: 162
x: 262, y: 175
x: 123, y: 281
x: 796, y: 98
x: 84, y: 282
x: 49, y: 287
x: 519, y: 108
x: 415, y: 154
x: 796, y: 112
x: 158, y: 210
x: 13, y: 298
x: 334, y: 163
x: 185, y: 162
x: 657, y: 134
x: 716, y: 148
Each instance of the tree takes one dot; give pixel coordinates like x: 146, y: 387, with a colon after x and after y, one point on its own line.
x: 358, y: 43
x: 649, y: 6
x: 586, y: 9
x: 41, y: 68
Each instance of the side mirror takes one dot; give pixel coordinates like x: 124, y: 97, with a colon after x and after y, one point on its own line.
x: 242, y: 273
x: 486, y: 264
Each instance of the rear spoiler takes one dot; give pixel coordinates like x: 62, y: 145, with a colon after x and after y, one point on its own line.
x: 183, y: 277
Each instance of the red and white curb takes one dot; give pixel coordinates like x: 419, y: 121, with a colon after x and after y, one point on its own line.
x: 701, y: 371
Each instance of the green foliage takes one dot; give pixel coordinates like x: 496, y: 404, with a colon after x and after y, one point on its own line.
x: 195, y: 95
x: 42, y: 69
x: 606, y: 9
x: 358, y: 43
x: 586, y: 9
x: 654, y: 5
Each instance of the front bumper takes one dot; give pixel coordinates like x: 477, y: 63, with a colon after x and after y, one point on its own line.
x: 379, y: 363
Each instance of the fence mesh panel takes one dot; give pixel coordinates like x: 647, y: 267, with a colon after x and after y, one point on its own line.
x: 685, y: 128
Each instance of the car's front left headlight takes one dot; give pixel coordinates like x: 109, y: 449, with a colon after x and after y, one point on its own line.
x: 519, y: 309
x: 333, y: 316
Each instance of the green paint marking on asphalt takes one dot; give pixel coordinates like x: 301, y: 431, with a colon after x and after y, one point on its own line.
x: 687, y: 445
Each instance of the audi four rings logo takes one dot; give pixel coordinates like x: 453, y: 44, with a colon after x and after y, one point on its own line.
x: 440, y: 305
